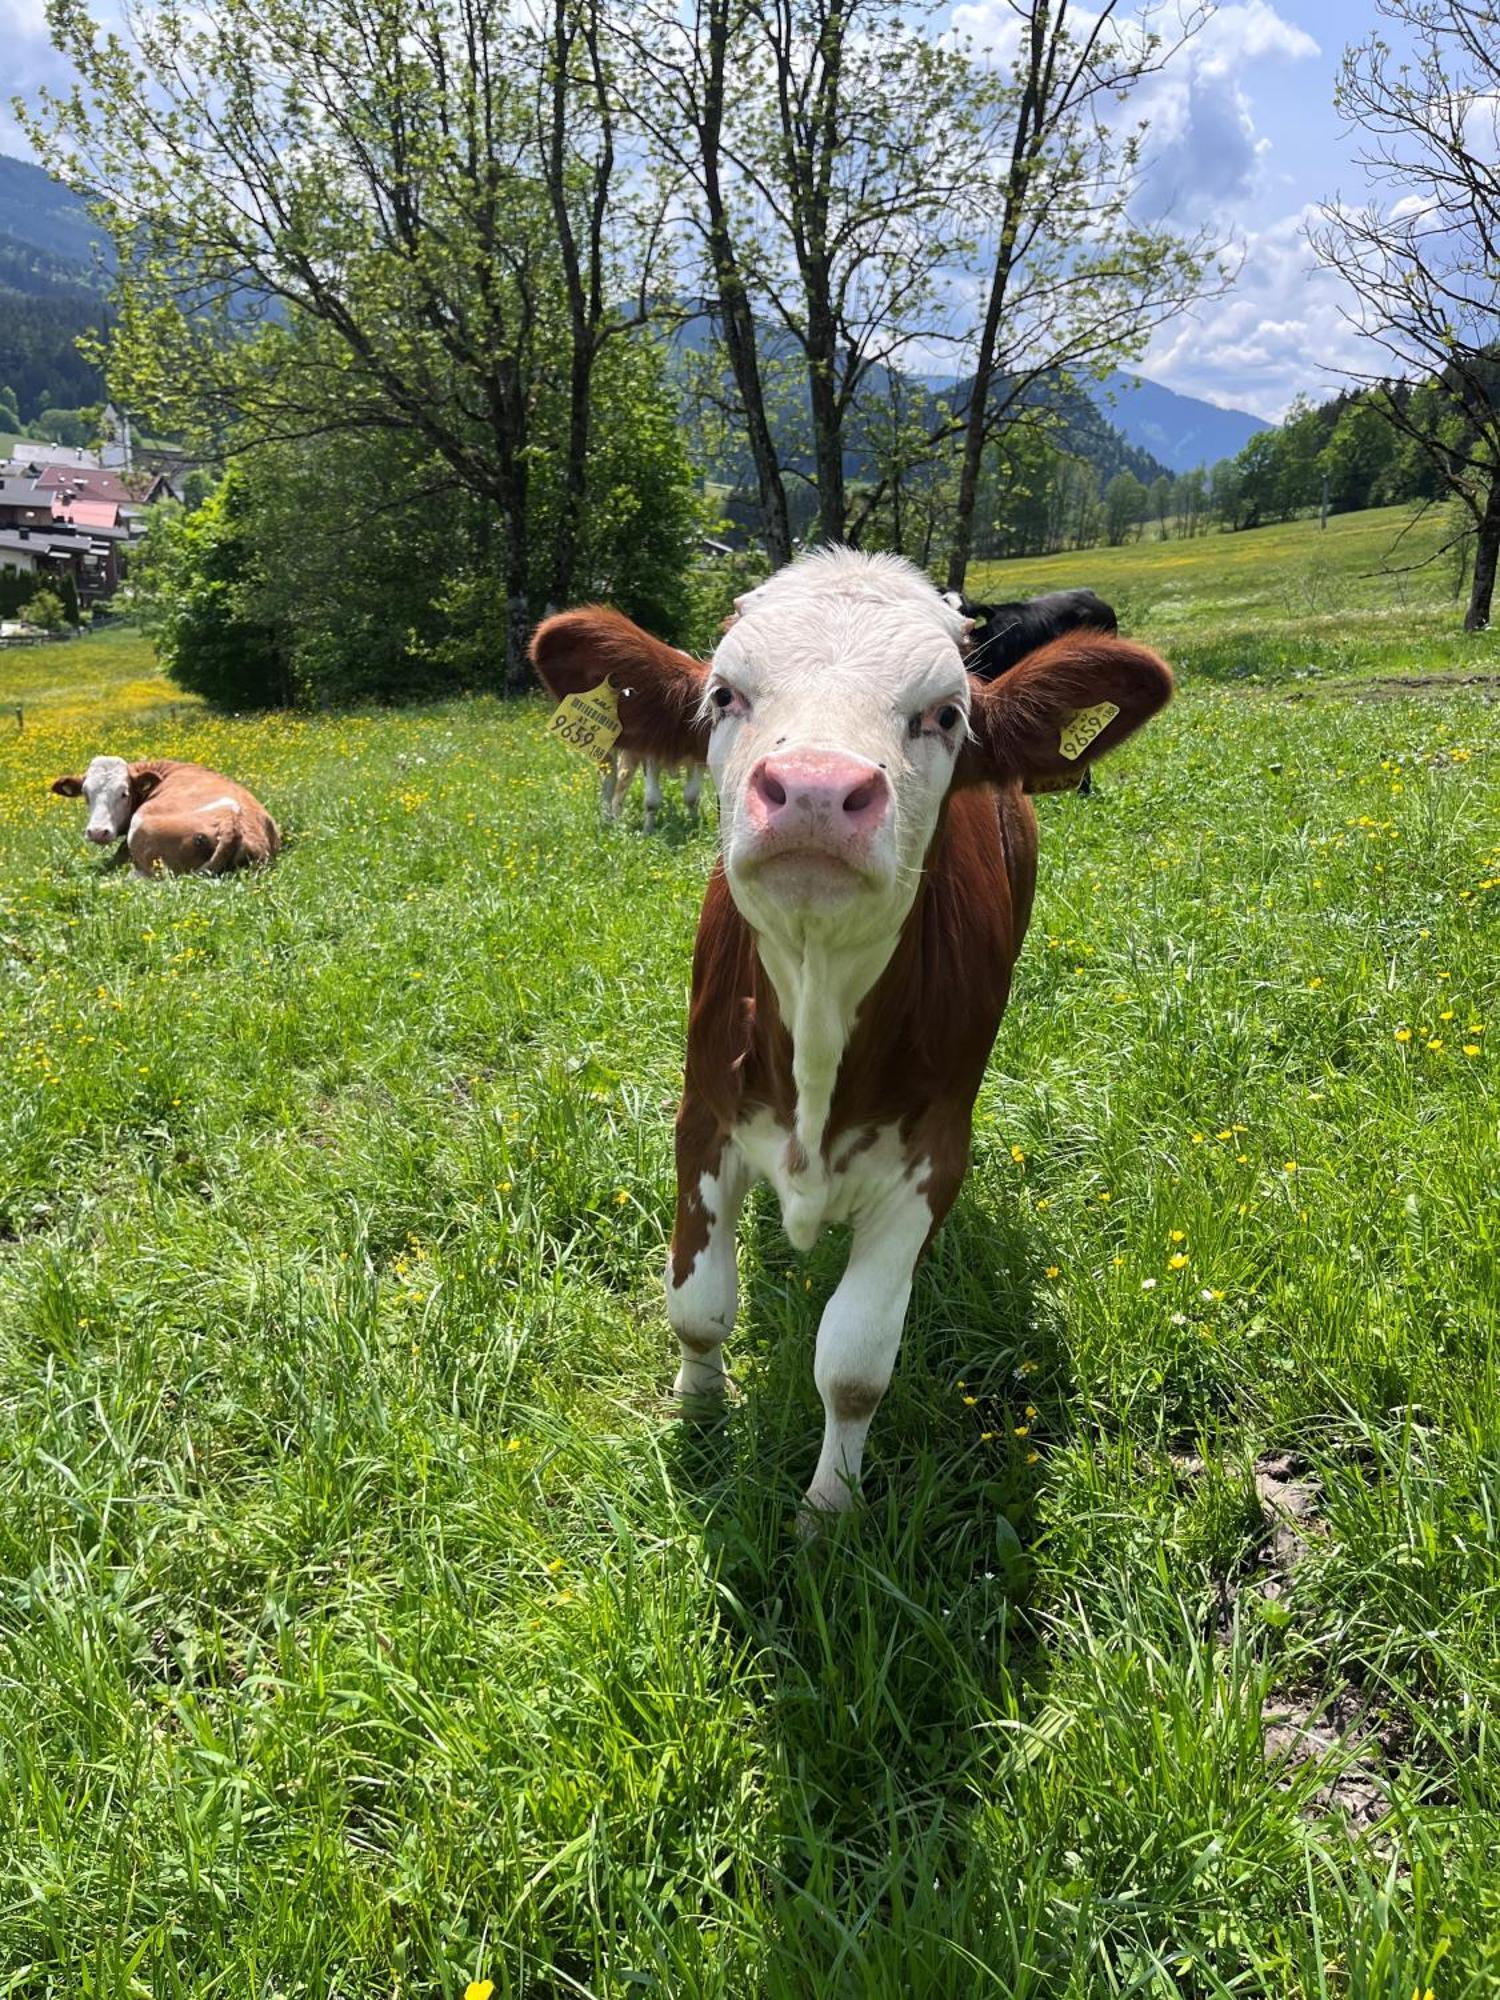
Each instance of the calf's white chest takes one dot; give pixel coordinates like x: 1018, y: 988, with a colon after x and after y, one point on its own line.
x: 868, y: 1170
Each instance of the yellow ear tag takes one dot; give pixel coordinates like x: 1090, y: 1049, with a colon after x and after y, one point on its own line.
x: 588, y: 722
x: 1081, y: 725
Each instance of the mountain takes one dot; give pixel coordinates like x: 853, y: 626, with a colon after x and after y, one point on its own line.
x: 1086, y: 429
x: 51, y: 291
x: 1182, y: 431
x: 40, y: 215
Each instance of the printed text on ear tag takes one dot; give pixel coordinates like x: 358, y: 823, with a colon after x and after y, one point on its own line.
x: 1081, y: 725
x: 588, y: 722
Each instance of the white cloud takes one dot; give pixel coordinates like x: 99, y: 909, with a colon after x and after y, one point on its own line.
x: 1203, y: 153
x: 1279, y: 333
x: 31, y: 61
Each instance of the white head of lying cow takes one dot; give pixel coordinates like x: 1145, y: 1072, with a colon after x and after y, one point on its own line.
x: 856, y: 942
x: 113, y: 793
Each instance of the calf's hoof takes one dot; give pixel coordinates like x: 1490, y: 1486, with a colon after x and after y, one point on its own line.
x: 821, y: 1509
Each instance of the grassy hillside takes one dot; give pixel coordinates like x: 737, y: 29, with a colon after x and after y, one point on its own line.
x: 372, y: 1626
x: 1278, y: 603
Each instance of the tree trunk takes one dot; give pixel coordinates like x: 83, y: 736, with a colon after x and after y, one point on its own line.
x: 738, y: 326
x: 1486, y: 554
x: 823, y: 401
x: 736, y: 319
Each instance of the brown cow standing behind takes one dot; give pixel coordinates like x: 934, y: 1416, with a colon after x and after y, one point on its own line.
x: 855, y: 948
x: 175, y: 819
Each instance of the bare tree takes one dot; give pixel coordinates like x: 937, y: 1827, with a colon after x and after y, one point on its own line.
x: 1423, y: 267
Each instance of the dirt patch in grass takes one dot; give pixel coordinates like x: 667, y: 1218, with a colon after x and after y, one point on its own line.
x: 1351, y: 1742
x: 1396, y: 687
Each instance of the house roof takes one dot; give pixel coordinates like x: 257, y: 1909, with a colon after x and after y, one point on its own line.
x: 90, y: 484
x: 87, y: 513
x: 16, y: 540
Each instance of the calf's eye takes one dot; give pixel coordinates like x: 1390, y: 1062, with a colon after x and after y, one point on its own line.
x: 722, y: 697
x: 947, y: 715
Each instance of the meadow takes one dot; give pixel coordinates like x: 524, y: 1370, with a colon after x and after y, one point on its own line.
x: 370, y: 1625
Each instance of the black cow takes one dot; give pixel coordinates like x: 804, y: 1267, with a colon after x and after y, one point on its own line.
x: 1005, y: 633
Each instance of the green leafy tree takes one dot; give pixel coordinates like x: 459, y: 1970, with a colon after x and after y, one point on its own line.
x: 77, y: 429
x: 415, y: 199
x: 197, y: 579
x: 1125, y: 502
x: 10, y: 413
x: 1361, y: 456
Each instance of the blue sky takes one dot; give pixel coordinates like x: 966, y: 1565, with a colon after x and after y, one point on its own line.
x: 1244, y: 137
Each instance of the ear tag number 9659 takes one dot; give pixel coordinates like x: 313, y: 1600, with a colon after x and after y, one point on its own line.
x: 1082, y: 725
x: 588, y: 722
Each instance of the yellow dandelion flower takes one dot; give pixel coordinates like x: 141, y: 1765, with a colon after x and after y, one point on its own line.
x: 479, y: 1989
x: 1017, y: 1155
x: 1446, y: 1015
x: 1313, y: 985
x: 1178, y: 1236
x: 1436, y: 1042
x: 1290, y: 1167
x: 554, y: 1566
x: 621, y: 1197
x: 1471, y: 1048
x: 1032, y: 1457
x: 1197, y: 1138
x: 1023, y: 1430
x: 1403, y: 1034
x: 1179, y: 1262
x: 1105, y: 1195
x: 970, y: 1401
x: 1054, y: 1271
x: 514, y: 1445
x: 986, y: 1437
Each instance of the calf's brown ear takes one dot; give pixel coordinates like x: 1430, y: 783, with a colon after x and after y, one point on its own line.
x: 658, y: 689
x: 68, y: 788
x: 142, y: 784
x: 1062, y: 707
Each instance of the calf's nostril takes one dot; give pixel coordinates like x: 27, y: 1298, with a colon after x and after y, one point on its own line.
x: 863, y: 796
x: 772, y: 789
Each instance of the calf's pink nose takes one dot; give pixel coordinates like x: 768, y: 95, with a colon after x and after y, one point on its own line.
x: 100, y: 835
x: 832, y: 792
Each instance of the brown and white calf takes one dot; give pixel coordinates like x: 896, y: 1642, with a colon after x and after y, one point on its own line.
x: 857, y: 937
x: 175, y: 819
x: 619, y: 776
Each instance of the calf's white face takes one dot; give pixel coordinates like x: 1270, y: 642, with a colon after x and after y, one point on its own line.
x: 838, y: 703
x: 106, y: 792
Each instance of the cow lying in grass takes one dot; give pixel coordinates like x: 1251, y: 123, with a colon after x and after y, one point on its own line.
x: 175, y: 819
x: 858, y: 933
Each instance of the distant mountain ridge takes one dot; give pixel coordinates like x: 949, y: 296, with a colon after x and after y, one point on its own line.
x: 45, y: 216
x: 1182, y: 431
x: 54, y: 259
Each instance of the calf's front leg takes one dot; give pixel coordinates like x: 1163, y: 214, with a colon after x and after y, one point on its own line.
x: 858, y: 1338
x: 702, y: 1278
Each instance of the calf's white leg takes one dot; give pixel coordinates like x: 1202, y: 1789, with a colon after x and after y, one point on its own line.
x: 692, y: 787
x: 858, y: 1338
x: 653, y: 793
x: 702, y: 1277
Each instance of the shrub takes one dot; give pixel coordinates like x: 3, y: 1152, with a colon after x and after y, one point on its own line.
x: 45, y: 610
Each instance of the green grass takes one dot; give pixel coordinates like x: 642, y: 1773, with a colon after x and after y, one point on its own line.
x: 1368, y: 595
x: 370, y: 1625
